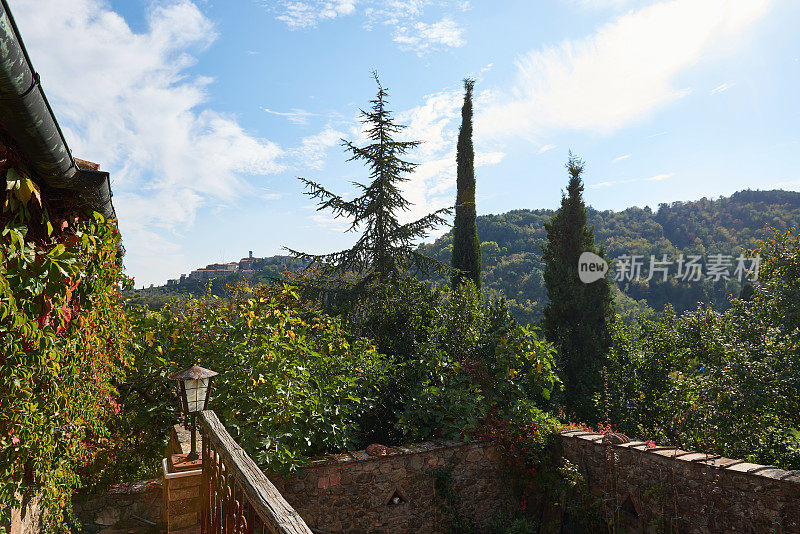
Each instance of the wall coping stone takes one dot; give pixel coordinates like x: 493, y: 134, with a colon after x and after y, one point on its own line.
x: 692, y: 456
x: 634, y: 444
x: 714, y: 461
x: 416, y: 448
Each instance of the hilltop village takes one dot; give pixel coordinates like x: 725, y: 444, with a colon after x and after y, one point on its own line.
x: 245, y: 266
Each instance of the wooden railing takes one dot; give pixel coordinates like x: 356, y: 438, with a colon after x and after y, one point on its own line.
x: 236, y: 495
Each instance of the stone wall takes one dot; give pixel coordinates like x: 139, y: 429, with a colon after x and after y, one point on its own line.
x: 358, y: 493
x: 689, y: 491
x: 130, y: 506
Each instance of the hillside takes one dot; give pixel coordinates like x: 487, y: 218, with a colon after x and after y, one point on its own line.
x: 511, y: 246
x: 511, y: 249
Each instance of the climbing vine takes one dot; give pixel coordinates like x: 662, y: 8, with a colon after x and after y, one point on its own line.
x: 448, y: 500
x: 547, y: 488
x: 62, y: 339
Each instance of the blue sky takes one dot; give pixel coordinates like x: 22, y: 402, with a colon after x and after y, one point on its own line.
x: 205, y: 112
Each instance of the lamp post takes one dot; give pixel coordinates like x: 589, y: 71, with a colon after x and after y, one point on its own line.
x: 194, y: 392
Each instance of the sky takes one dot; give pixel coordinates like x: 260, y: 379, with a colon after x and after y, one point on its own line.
x: 205, y: 112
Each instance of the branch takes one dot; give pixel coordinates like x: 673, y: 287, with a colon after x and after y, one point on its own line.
x: 329, y: 200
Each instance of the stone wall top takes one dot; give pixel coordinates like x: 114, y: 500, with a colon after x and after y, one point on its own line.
x: 697, y: 458
x: 364, y: 456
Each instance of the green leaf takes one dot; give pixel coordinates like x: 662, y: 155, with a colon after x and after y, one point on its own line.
x: 12, y: 179
x: 27, y: 189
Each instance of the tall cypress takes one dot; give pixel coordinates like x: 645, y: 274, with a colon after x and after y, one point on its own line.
x: 466, y: 260
x: 578, y: 317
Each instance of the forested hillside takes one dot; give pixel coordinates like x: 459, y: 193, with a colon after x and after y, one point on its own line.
x: 511, y: 247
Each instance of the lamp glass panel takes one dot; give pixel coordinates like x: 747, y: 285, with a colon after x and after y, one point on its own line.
x: 196, y: 394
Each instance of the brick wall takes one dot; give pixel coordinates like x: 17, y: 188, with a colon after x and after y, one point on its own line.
x: 358, y: 493
x: 693, y: 492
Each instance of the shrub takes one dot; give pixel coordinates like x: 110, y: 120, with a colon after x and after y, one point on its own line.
x: 458, y: 360
x: 724, y: 383
x: 292, y: 382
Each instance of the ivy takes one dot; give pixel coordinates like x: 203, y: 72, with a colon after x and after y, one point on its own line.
x: 62, y: 345
x: 448, y: 500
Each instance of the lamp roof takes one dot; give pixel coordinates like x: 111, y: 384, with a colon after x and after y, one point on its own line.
x: 195, y: 372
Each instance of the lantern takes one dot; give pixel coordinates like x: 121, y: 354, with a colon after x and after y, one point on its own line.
x: 194, y: 388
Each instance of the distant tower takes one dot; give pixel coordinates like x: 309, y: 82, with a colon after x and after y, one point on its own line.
x: 251, y: 254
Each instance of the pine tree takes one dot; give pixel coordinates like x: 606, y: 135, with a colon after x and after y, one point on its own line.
x: 386, y: 248
x: 578, y: 317
x: 466, y: 260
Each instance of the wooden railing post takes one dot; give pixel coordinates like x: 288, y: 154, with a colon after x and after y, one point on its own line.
x: 236, y: 495
x: 204, y: 492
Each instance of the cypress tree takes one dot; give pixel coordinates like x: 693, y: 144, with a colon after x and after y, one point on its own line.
x: 578, y: 317
x: 386, y: 248
x: 466, y: 259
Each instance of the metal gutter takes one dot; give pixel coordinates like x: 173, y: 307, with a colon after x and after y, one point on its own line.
x: 26, y: 116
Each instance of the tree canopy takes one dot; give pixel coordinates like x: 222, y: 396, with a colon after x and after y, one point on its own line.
x: 466, y: 258
x: 577, y: 319
x: 386, y: 247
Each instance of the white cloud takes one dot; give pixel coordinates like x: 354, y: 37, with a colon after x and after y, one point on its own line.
x: 125, y: 99
x: 609, y: 183
x: 409, y: 31
x: 620, y: 158
x: 546, y: 148
x: 394, y: 12
x: 295, y: 116
x: 309, y: 13
x: 721, y: 88
x: 489, y: 158
x: 436, y: 122
x: 658, y: 177
x: 433, y: 122
x: 608, y: 4
x: 326, y: 220
x: 267, y: 195
x: 314, y: 149
x: 623, y: 72
x: 606, y: 184
x: 788, y: 184
x: 421, y: 37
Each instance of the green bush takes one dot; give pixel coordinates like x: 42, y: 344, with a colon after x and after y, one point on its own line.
x: 459, y: 360
x: 725, y: 383
x: 292, y: 382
